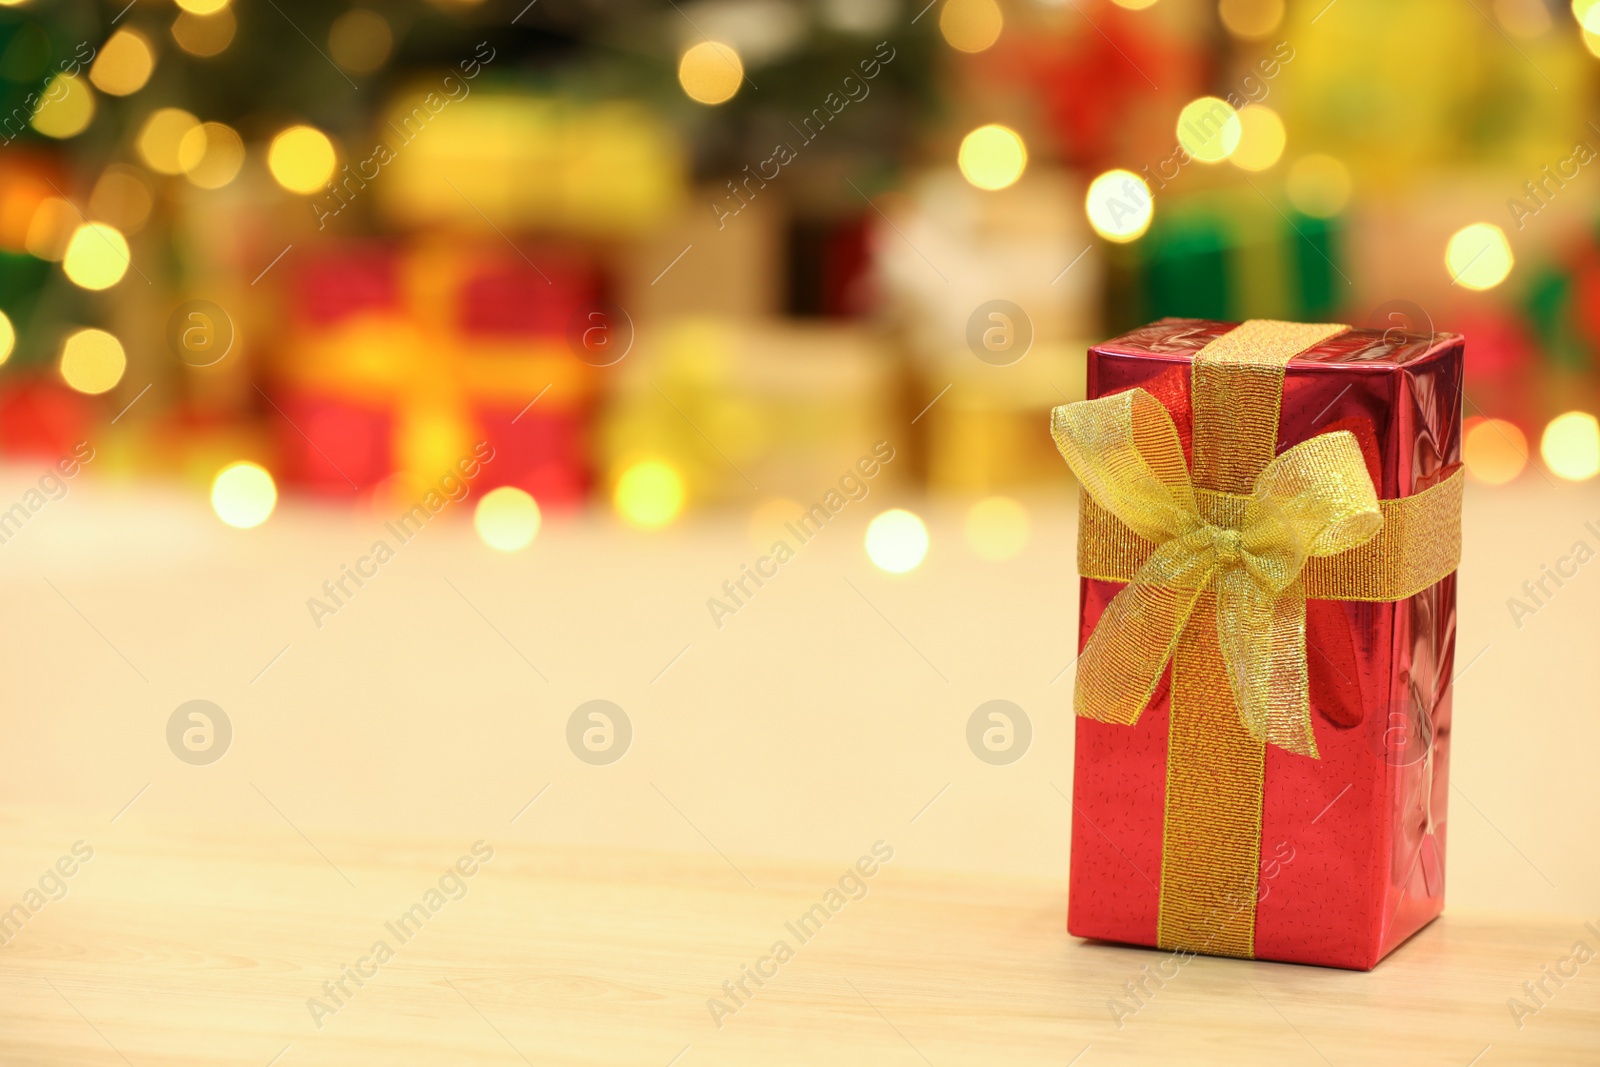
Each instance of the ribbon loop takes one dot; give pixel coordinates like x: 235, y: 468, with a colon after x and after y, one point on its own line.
x: 1316, y: 499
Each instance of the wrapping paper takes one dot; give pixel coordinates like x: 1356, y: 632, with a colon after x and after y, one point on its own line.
x: 1352, y: 844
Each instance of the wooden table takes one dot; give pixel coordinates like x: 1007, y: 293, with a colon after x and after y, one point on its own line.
x: 187, y: 942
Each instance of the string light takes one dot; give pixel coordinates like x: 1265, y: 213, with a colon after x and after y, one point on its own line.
x: 710, y: 72
x: 992, y: 157
x: 1119, y: 206
x: 507, y: 518
x: 243, y: 495
x: 97, y: 256
x: 124, y: 64
x: 162, y: 135
x: 649, y: 494
x: 971, y: 25
x: 1494, y: 451
x: 1209, y: 129
x: 1478, y: 256
x: 65, y: 109
x: 1571, y: 446
x: 301, y: 159
x: 897, y: 541
x: 211, y: 155
x: 1261, y: 139
x: 92, y: 361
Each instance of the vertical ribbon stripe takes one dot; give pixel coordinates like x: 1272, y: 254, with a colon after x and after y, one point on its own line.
x: 1236, y: 390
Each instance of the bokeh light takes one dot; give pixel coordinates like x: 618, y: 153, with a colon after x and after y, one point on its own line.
x: 1119, y: 206
x: 124, y: 64
x: 121, y: 197
x: 243, y: 494
x: 710, y: 72
x: 1478, y: 256
x: 971, y: 25
x: 1261, y: 139
x: 1571, y: 446
x: 1209, y: 129
x: 1494, y: 451
x: 8, y: 337
x: 360, y: 40
x: 992, y: 157
x: 997, y: 528
x: 1318, y: 185
x: 1250, y: 20
x: 301, y: 159
x: 1134, y: 5
x: 507, y: 518
x: 897, y: 541
x: 205, y: 35
x: 211, y: 155
x: 162, y: 136
x: 65, y: 107
x: 92, y: 361
x: 52, y: 226
x: 649, y: 493
x: 97, y: 256
x: 202, y: 7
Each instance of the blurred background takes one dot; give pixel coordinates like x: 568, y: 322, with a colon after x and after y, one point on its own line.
x: 344, y: 242
x: 276, y: 274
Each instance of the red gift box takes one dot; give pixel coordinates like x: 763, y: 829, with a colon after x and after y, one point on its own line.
x: 1351, y: 844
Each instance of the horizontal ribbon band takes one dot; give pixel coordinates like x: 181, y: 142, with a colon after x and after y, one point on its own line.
x: 1419, y: 543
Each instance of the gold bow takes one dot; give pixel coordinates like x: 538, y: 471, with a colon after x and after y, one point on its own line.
x: 1316, y: 499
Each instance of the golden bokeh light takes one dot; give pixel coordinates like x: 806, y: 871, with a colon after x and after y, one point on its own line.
x: 1119, y: 206
x: 211, y: 155
x: 897, y: 541
x: 710, y: 72
x: 649, y: 494
x: 124, y: 64
x: 1134, y: 5
x: 301, y: 159
x: 243, y: 494
x: 1318, y: 185
x: 1478, y: 256
x: 768, y: 522
x: 1261, y: 140
x: 971, y: 25
x: 1571, y: 446
x: 997, y: 528
x: 92, y: 361
x: 162, y: 136
x: 202, y: 7
x: 360, y: 40
x: 1209, y: 129
x: 507, y: 519
x: 65, y: 108
x: 8, y: 337
x: 1250, y: 20
x: 51, y: 227
x: 1494, y: 451
x: 992, y: 157
x: 205, y: 35
x: 97, y: 256
x: 122, y: 198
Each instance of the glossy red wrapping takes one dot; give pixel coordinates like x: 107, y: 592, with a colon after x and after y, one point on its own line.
x: 1352, y: 844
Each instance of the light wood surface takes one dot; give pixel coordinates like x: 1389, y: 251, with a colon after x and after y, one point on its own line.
x: 828, y: 714
x: 193, y: 943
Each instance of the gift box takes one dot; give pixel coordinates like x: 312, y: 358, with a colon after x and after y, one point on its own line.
x: 1269, y: 530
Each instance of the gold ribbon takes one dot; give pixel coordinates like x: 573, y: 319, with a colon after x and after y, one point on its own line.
x: 1219, y: 564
